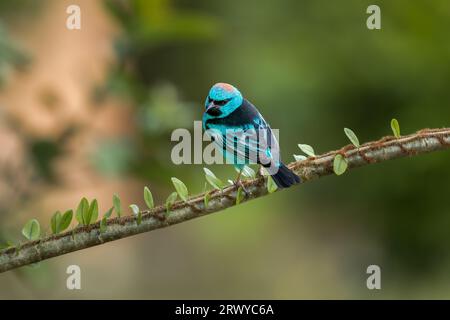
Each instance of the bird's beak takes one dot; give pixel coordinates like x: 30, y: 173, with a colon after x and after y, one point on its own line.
x: 213, y: 110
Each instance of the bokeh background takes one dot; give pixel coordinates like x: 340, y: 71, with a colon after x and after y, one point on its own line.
x: 90, y: 112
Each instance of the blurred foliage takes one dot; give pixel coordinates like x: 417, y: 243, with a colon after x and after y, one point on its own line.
x: 42, y: 152
x: 158, y: 22
x: 113, y: 157
x: 151, y: 29
x: 11, y: 56
x: 15, y: 8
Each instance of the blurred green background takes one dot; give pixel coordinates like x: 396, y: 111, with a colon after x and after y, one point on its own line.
x: 89, y: 113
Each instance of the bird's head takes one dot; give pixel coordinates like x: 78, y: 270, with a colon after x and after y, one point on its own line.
x: 222, y: 100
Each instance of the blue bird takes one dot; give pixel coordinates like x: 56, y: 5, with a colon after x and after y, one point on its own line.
x: 242, y: 134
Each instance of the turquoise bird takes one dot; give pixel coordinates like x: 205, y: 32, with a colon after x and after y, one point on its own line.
x: 243, y: 135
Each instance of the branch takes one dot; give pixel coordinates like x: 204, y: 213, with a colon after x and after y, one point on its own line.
x: 424, y: 141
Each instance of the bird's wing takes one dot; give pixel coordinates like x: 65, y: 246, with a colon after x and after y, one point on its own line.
x: 266, y: 144
x: 252, y: 143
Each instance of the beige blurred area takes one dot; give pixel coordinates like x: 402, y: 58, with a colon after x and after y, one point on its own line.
x: 54, y: 92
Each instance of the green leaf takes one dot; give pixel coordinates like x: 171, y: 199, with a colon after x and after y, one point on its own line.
x: 239, y: 195
x: 339, y: 164
x: 137, y: 213
x: 94, y: 213
x: 81, y: 212
x: 299, y: 157
x: 307, y: 149
x: 148, y: 197
x: 271, y: 185
x: 247, y: 172
x: 352, y: 137
x: 171, y: 200
x: 395, y: 126
x: 32, y: 230
x: 103, y: 224
x: 65, y: 221
x: 91, y: 214
x: 181, y: 188
x: 139, y: 218
x: 86, y: 215
x: 135, y: 209
x: 108, y: 213
x: 104, y: 221
x: 55, y: 222
x: 206, y: 199
x: 117, y: 207
x: 215, y: 182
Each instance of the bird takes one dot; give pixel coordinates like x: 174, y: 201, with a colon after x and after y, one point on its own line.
x: 242, y: 135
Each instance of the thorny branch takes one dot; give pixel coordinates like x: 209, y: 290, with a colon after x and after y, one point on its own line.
x: 424, y: 141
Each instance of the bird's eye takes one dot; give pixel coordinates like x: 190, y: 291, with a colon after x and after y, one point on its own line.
x: 222, y: 102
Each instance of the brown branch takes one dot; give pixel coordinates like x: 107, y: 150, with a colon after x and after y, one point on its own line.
x: 424, y: 141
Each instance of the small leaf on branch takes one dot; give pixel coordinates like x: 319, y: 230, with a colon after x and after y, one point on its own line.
x: 61, y: 222
x: 148, y: 197
x: 171, y: 200
x: 81, y: 212
x: 239, y: 195
x: 32, y: 230
x: 117, y: 206
x: 108, y: 213
x: 139, y: 218
x: 135, y: 209
x: 181, y: 188
x: 104, y: 221
x: 247, y: 172
x: 395, y: 126
x: 340, y: 164
x: 206, y: 199
x: 215, y: 182
x: 92, y: 214
x: 352, y: 137
x: 65, y: 221
x: 103, y: 224
x: 299, y: 157
x: 271, y: 185
x: 307, y: 149
x: 137, y: 213
x: 55, y: 222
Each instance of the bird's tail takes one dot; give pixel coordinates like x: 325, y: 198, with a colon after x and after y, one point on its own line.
x: 284, y: 178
